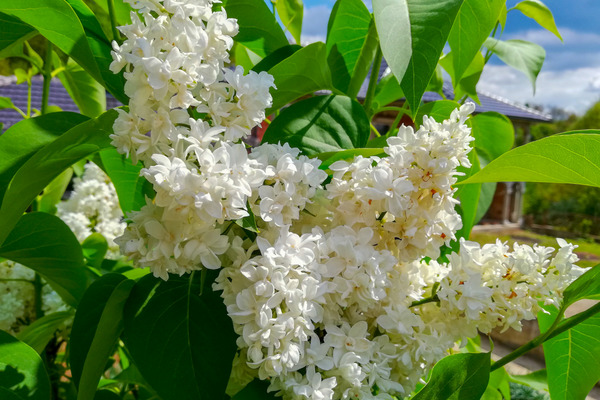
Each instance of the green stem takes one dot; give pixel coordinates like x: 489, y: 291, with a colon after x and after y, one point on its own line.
x: 113, y: 20
x: 488, y: 53
x: 28, y: 97
x: 401, y: 113
x: 375, y: 131
x: 37, y: 282
x: 426, y: 300
x: 556, y: 329
x: 373, y: 81
x: 47, y: 78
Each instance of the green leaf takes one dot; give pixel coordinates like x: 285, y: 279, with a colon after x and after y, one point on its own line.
x: 131, y: 188
x: 172, y: 330
x: 244, y: 57
x: 60, y: 21
x: 276, y: 57
x: 13, y: 33
x: 6, y: 102
x: 537, y: 380
x: 458, y: 377
x: 97, y: 326
x: 255, y: 390
x: 520, y: 54
x: 438, y: 110
x: 41, y: 331
x: 468, y: 83
x: 45, y: 165
x: 248, y: 222
x: 473, y: 24
x: 53, y: 193
x: 26, y: 137
x: 493, y: 132
x: 541, y: 14
x: 498, y: 387
x: 387, y: 91
x: 393, y: 26
x: 302, y: 73
x: 259, y: 31
x: 572, y: 158
x: 94, y: 249
x: 106, y: 395
x: 291, y: 13
x: 351, y: 45
x: 85, y: 91
x: 475, y: 198
x: 430, y: 24
x: 22, y: 372
x: 572, y: 357
x: 44, y: 243
x: 320, y: 124
x: 587, y: 286
x: 330, y: 157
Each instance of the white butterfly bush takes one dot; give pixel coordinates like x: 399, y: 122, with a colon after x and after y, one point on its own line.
x: 331, y: 297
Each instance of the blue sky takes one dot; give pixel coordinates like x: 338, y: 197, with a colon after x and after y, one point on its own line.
x: 570, y: 77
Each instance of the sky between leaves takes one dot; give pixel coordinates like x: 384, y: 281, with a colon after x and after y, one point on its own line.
x: 570, y: 78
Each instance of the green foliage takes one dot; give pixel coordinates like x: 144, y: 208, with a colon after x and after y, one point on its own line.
x: 53, y: 193
x: 41, y: 168
x: 189, y: 322
x: 25, y: 138
x: 430, y: 24
x: 573, y: 367
x: 393, y: 26
x: 541, y: 14
x: 22, y: 372
x: 97, y: 326
x: 458, y: 377
x: 351, y: 45
x: 321, y: 124
x: 302, y: 73
x: 259, y: 31
x: 41, y: 331
x: 291, y: 13
x: 276, y: 57
x: 573, y: 158
x: 520, y: 54
x: 473, y: 24
x: 498, y: 386
x: 13, y: 33
x: 131, y: 188
x: 94, y: 249
x: 45, y: 244
x: 85, y: 91
x: 60, y: 21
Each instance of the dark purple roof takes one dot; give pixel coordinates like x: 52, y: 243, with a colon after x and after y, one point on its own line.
x: 489, y: 102
x: 18, y: 94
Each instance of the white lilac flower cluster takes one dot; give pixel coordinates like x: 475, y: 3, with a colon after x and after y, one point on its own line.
x: 93, y: 206
x: 17, y: 297
x: 330, y: 295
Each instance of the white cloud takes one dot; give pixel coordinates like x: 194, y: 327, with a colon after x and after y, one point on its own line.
x: 574, y: 90
x: 547, y: 39
x: 314, y: 25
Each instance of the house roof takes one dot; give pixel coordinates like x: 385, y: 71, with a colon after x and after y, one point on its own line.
x: 489, y: 102
x: 18, y: 94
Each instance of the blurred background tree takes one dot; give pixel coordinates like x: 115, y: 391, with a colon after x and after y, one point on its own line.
x: 569, y: 207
